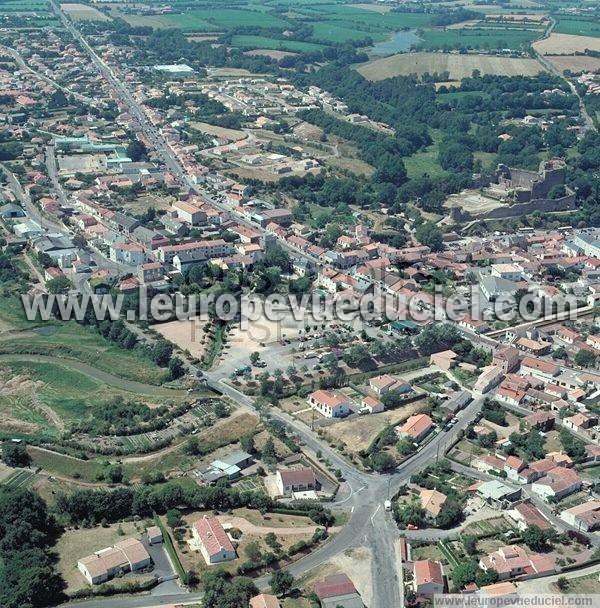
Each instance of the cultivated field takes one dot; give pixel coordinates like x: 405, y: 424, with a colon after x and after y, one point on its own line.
x: 578, y: 27
x: 459, y: 66
x: 262, y: 42
x: 83, y: 12
x: 575, y: 63
x: 566, y: 44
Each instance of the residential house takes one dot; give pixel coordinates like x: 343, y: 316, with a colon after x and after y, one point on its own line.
x: 526, y: 514
x: 445, y: 360
x: 539, y: 368
x: 417, y: 427
x: 584, y: 517
x: 296, y: 480
x: 127, y: 555
x: 154, y: 535
x: 386, y: 384
x: 506, y: 358
x: 512, y: 561
x: 330, y: 404
x: 338, y: 590
x: 127, y: 253
x: 543, y: 421
x: 433, y: 502
x: 264, y: 600
x: 372, y: 405
x: 557, y: 483
x: 498, y: 494
x: 212, y: 540
x: 428, y: 578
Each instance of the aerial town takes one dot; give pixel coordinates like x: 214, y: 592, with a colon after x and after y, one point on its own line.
x: 299, y: 303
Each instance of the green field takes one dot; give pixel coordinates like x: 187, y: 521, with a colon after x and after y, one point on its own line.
x: 331, y: 31
x: 18, y: 479
x: 577, y: 27
x: 274, y: 44
x: 59, y: 464
x: 23, y: 6
x: 74, y: 341
x: 207, y: 20
x: 477, y: 38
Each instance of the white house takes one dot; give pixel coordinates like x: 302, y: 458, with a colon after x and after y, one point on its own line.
x: 330, y: 404
x: 212, y: 541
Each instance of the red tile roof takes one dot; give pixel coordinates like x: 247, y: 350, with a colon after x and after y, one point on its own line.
x: 428, y: 571
x: 334, y: 586
x: 213, y: 536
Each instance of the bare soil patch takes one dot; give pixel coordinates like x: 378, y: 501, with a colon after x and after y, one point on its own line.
x: 187, y: 335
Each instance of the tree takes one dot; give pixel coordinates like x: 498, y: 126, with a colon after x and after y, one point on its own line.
x: 254, y: 357
x: 382, y: 461
x: 27, y: 576
x: 15, y: 454
x: 114, y: 474
x: 176, y: 369
x: 450, y: 515
x: 281, y: 582
x: 221, y: 591
x: 405, y: 446
x: 58, y: 285
x: 486, y: 577
x: 137, y: 151
x: 463, y: 573
x: 430, y: 235
x: 247, y: 443
x: 563, y: 583
x: 268, y: 452
x: 161, y: 353
x: 412, y: 513
x: 535, y: 538
x: 271, y: 540
x: 253, y: 551
x: 585, y: 358
x: 174, y: 518
x: 470, y: 544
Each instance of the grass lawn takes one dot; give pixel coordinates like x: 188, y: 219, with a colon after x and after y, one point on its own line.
x: 424, y: 163
x: 428, y: 552
x: 68, y: 392
x: 590, y: 473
